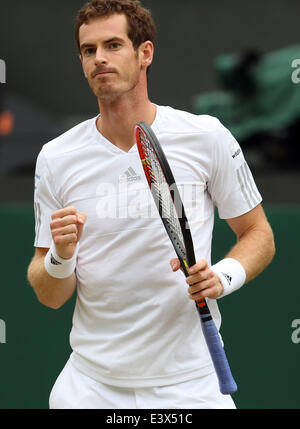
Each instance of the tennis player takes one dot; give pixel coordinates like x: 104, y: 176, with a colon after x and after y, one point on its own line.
x: 136, y: 337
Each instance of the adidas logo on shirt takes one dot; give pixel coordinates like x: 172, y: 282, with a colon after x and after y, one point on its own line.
x: 129, y: 176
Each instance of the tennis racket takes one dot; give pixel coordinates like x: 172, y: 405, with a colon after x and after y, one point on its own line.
x: 170, y: 207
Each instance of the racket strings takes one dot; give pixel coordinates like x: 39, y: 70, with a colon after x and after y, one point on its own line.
x: 161, y: 193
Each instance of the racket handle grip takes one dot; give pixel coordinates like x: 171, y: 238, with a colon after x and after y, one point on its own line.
x: 226, y: 380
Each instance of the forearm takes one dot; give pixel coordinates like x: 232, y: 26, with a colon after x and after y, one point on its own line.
x: 51, y: 292
x: 254, y: 249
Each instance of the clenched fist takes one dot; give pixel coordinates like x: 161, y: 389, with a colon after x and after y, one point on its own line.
x: 66, y: 229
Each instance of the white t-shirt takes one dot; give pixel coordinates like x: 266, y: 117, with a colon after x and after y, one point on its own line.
x: 134, y: 324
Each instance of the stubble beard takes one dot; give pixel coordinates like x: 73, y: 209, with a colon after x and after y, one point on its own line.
x: 112, y: 92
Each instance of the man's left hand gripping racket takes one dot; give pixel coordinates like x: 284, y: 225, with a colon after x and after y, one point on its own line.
x: 170, y: 207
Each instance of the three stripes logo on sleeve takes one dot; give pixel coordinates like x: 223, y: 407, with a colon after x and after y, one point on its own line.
x: 248, y: 186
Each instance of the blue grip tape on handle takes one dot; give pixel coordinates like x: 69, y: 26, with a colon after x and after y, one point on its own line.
x: 226, y: 380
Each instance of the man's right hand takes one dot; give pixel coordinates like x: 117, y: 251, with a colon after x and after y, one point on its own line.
x: 66, y: 229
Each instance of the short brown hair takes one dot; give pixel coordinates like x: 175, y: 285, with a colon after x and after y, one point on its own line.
x: 141, y: 26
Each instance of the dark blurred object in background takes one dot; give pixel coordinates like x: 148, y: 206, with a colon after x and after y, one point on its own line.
x: 260, y: 104
x: 24, y: 128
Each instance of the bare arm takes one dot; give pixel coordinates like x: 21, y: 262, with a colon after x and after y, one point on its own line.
x: 66, y: 229
x: 255, y: 246
x: 51, y: 292
x: 254, y: 249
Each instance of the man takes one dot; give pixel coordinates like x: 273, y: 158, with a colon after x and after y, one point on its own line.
x: 136, y: 337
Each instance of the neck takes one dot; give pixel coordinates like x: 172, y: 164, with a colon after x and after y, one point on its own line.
x: 119, y: 117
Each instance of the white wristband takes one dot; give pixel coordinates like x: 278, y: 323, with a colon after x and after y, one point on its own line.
x: 231, y: 273
x: 58, y: 267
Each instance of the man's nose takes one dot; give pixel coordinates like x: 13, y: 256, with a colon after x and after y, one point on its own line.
x: 100, y: 57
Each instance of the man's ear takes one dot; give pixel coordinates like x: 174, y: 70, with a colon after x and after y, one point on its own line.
x: 147, y: 53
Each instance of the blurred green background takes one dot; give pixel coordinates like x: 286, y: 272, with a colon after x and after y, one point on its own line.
x: 256, y: 320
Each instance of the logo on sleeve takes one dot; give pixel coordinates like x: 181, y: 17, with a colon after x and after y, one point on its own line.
x: 235, y: 149
x: 37, y: 179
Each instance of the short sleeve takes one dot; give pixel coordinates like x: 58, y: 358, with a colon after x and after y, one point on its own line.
x: 45, y: 203
x: 231, y: 186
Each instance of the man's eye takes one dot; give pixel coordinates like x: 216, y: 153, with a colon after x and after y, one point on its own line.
x: 114, y: 45
x: 89, y: 51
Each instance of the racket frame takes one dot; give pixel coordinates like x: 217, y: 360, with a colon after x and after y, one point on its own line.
x: 186, y: 256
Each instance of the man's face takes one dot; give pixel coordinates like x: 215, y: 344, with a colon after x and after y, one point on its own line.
x: 109, y: 61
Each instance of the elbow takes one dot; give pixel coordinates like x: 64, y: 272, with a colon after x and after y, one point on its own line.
x: 51, y: 305
x: 273, y: 248
x: 273, y: 251
x: 50, y: 302
x: 271, y: 244
x: 49, y: 294
x: 46, y: 300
